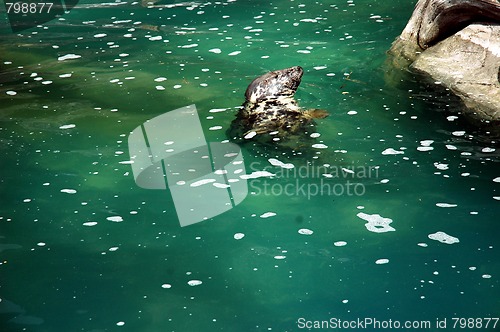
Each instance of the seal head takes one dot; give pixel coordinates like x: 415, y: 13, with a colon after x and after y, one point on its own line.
x: 274, y: 85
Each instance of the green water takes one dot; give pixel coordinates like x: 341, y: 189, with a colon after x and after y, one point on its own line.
x: 65, y: 267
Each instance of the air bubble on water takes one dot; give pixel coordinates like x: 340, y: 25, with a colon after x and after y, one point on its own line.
x: 391, y: 151
x: 202, y: 182
x: 376, y: 223
x: 239, y: 236
x: 256, y: 174
x: 276, y: 162
x: 446, y: 205
x: 268, y: 214
x: 443, y: 238
x: 194, y: 282
x: 68, y: 126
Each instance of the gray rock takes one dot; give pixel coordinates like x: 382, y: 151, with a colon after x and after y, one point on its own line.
x: 457, y: 44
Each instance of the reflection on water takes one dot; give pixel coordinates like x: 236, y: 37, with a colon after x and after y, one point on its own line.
x: 84, y: 248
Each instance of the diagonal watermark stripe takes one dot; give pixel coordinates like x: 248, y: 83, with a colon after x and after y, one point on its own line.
x: 170, y: 151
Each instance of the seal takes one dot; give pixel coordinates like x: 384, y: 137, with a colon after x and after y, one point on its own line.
x: 270, y: 112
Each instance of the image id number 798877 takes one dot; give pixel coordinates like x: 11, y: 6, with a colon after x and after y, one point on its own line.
x: 28, y: 7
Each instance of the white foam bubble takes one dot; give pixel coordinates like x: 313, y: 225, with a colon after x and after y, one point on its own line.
x: 276, y: 162
x: 443, y: 238
x: 166, y: 286
x: 202, y: 182
x: 426, y: 142
x: 234, y: 53
x: 194, y: 282
x: 319, y: 146
x: 391, y: 151
x: 115, y: 219
x: 496, y: 179
x: 90, y: 223
x: 100, y: 35
x: 267, y: 215
x: 239, y: 236
x: 305, y: 231
x: 376, y: 223
x: 440, y: 166
x: 68, y: 126
x: 445, y: 205
x: 340, y: 243
x: 69, y: 57
x: 250, y: 135
x: 215, y: 50
x: 257, y: 174
x: 382, y: 261
x: 68, y: 191
x: 11, y: 93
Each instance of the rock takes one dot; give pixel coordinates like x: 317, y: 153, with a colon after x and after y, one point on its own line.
x: 468, y: 64
x: 456, y: 43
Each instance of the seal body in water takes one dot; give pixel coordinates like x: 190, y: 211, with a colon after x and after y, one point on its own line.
x: 270, y: 113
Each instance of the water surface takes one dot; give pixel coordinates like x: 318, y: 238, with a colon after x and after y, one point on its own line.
x: 83, y: 248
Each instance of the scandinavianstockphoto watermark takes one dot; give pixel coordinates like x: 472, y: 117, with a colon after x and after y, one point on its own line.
x: 311, y: 180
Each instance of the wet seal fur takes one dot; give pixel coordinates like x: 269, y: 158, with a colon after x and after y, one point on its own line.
x: 270, y: 113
